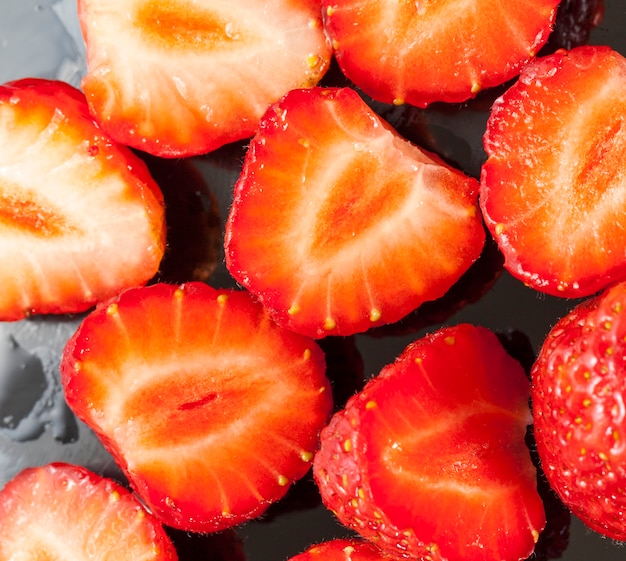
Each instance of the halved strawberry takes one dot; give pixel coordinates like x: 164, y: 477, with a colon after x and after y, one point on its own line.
x: 440, y: 50
x: 81, y: 217
x: 338, y: 224
x: 342, y: 550
x: 578, y: 392
x: 552, y: 188
x: 62, y: 511
x: 430, y: 459
x: 209, y: 407
x: 182, y: 77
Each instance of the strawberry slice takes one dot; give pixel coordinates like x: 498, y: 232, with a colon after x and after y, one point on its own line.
x: 338, y: 224
x: 81, y: 216
x: 210, y: 408
x: 440, y: 50
x: 62, y: 511
x: 552, y: 188
x: 179, y: 78
x: 342, y: 550
x: 444, y: 426
x: 578, y: 391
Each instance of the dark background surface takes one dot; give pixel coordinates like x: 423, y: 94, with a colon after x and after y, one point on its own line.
x: 42, y: 39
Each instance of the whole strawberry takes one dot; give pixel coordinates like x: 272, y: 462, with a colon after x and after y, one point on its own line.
x: 578, y: 392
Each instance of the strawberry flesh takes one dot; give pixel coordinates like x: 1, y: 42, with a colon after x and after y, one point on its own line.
x: 81, y: 216
x: 430, y: 459
x: 62, y: 511
x: 552, y: 188
x: 182, y: 78
x: 424, y: 52
x: 211, y: 410
x: 338, y: 224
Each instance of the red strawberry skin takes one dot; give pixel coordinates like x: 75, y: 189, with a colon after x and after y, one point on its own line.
x: 210, y: 408
x: 182, y: 78
x: 62, y: 511
x: 338, y: 224
x: 429, y: 461
x: 81, y: 216
x: 578, y: 392
x: 425, y: 52
x: 552, y: 190
x: 342, y: 550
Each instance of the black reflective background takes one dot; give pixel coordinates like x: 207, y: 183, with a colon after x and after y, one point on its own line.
x: 42, y: 39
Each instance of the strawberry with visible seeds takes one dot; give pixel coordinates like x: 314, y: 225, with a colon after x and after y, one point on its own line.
x: 209, y: 407
x: 62, y: 511
x: 552, y: 188
x: 442, y: 50
x: 578, y: 392
x: 430, y: 461
x: 81, y: 216
x: 180, y: 78
x: 338, y: 224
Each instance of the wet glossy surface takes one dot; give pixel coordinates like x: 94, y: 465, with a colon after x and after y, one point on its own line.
x: 43, y: 39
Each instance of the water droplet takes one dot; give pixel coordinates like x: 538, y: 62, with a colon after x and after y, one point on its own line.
x: 22, y: 382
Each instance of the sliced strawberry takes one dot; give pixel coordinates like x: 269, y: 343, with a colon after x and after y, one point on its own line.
x: 471, y: 287
x: 81, y: 217
x: 338, y: 224
x: 342, y: 550
x: 552, y: 188
x: 182, y: 77
x: 209, y: 407
x: 62, y: 511
x: 579, y: 390
x: 440, y: 50
x: 430, y: 459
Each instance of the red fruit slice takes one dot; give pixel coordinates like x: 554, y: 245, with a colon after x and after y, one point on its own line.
x: 579, y: 390
x: 552, y: 188
x: 81, y: 218
x: 338, y: 224
x: 439, y: 50
x: 179, y: 78
x: 342, y: 550
x: 209, y: 407
x: 61, y: 511
x: 430, y: 460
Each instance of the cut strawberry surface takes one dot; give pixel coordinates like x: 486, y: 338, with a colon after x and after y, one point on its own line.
x: 209, y: 407
x: 62, y: 511
x: 578, y: 391
x: 338, y: 224
x: 440, y: 50
x: 180, y: 77
x: 430, y: 460
x: 552, y: 188
x: 81, y: 218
